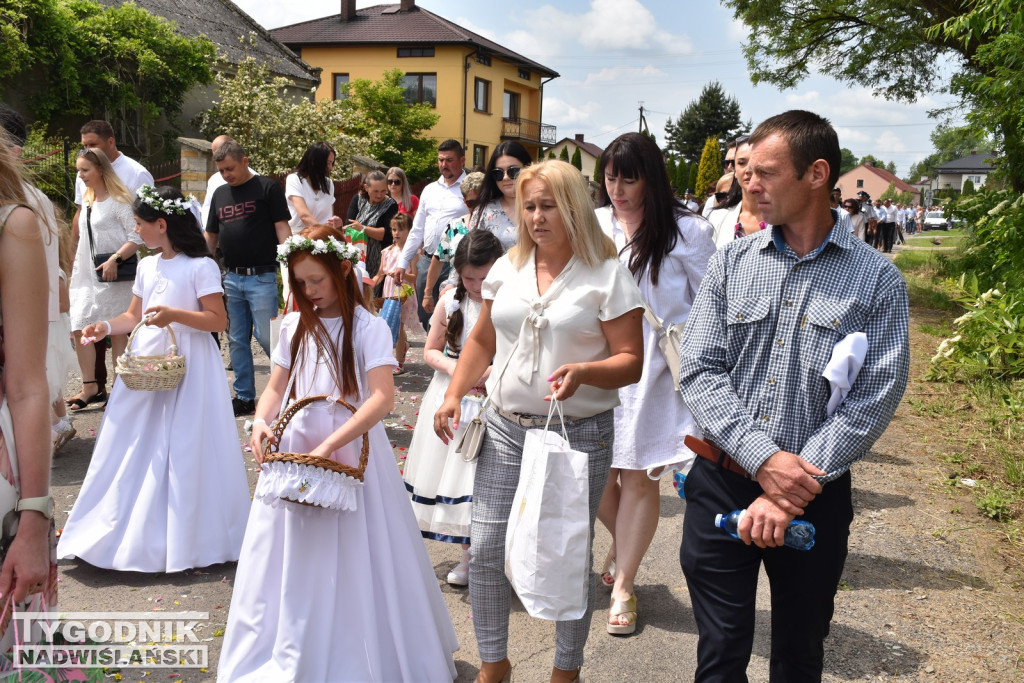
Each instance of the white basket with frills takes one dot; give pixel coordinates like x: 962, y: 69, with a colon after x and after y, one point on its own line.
x: 308, y: 479
x: 151, y: 373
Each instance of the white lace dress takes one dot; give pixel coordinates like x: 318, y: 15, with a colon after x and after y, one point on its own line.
x: 113, y: 224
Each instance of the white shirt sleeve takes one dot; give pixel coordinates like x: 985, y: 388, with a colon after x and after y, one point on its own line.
x: 415, y: 239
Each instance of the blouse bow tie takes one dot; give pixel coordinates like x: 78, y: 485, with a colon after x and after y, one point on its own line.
x: 527, y: 354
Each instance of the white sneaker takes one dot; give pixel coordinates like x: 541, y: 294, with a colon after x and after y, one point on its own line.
x: 459, y: 576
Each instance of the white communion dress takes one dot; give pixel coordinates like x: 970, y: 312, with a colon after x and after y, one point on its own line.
x: 337, y: 595
x: 439, y: 481
x: 166, y: 488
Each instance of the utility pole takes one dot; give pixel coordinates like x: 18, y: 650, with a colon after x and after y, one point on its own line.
x: 643, y: 120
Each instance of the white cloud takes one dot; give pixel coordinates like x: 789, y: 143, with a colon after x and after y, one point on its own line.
x: 479, y: 30
x: 565, y: 114
x: 626, y: 24
x: 849, y: 137
x: 889, y: 143
x: 619, y: 73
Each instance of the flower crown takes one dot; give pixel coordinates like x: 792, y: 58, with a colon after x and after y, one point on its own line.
x: 344, y: 252
x: 149, y: 195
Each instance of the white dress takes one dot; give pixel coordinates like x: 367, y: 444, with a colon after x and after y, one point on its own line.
x: 652, y: 420
x: 166, y: 489
x: 439, y: 482
x: 113, y: 224
x: 326, y: 595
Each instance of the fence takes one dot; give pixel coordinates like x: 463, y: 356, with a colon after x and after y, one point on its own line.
x: 51, y: 168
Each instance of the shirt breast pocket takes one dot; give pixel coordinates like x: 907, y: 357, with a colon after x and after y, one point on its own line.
x: 827, y: 322
x: 745, y: 322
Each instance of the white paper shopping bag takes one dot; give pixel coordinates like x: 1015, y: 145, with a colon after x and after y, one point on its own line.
x: 546, y: 557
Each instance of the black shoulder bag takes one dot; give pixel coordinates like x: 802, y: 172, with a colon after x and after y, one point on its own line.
x: 125, y: 269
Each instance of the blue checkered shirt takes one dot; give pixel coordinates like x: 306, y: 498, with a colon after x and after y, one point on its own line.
x: 761, y: 331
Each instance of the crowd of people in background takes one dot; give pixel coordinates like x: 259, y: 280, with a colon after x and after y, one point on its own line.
x: 541, y: 308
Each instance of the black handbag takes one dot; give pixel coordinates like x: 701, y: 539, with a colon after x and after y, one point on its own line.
x: 125, y: 269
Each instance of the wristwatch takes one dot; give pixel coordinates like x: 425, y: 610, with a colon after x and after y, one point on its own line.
x: 117, y: 258
x: 41, y: 504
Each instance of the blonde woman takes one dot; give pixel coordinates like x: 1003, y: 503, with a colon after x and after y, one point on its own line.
x: 569, y: 316
x: 95, y: 292
x: 398, y: 188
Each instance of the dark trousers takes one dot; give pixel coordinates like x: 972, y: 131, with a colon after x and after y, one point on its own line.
x: 888, y: 235
x: 721, y: 575
x: 421, y: 284
x: 101, y: 362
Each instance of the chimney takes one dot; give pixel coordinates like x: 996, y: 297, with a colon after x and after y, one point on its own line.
x: 579, y: 137
x: 407, y: 5
x: 348, y: 10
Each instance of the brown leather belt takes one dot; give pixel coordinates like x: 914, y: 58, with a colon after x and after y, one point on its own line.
x: 710, y: 451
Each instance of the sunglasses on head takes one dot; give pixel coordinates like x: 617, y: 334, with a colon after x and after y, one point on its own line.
x: 497, y: 174
x: 394, y: 181
x: 721, y: 196
x: 728, y: 162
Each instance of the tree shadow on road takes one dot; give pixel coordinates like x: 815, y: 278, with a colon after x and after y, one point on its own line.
x: 876, y: 571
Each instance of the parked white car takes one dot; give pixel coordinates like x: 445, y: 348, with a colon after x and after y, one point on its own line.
x: 934, y: 220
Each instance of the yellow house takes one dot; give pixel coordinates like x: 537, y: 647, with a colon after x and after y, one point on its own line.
x: 483, y: 93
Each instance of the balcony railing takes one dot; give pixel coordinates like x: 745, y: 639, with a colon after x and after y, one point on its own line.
x: 530, y: 131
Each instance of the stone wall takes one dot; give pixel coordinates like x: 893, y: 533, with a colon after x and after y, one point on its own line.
x: 196, y: 166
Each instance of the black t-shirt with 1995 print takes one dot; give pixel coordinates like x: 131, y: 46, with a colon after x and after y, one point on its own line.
x: 244, y: 218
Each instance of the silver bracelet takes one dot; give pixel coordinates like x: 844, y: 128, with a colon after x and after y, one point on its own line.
x: 107, y: 323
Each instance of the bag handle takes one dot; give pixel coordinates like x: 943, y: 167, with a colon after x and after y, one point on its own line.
x: 88, y: 225
x: 487, y: 400
x: 556, y: 406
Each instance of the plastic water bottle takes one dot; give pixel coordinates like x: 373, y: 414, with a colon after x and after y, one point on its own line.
x: 677, y: 480
x: 799, y: 534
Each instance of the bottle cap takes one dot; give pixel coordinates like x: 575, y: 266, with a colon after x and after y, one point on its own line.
x: 718, y: 521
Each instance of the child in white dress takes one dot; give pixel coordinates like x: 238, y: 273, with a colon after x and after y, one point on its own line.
x: 439, y: 482
x: 166, y: 488
x: 325, y: 594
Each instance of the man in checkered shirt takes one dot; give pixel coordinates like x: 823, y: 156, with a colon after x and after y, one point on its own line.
x: 762, y: 329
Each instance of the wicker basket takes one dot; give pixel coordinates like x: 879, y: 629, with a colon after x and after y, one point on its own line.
x: 151, y: 373
x: 296, y: 476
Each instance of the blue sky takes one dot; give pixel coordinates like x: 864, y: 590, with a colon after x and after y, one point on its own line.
x: 614, y: 54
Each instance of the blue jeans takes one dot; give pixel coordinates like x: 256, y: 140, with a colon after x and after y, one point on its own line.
x: 252, y: 302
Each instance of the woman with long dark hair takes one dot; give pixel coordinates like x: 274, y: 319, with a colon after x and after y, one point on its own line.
x: 494, y: 210
x: 666, y: 248
x: 166, y: 488
x: 310, y: 190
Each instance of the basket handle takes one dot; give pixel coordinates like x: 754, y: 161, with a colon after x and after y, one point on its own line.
x: 173, y: 350
x: 281, y: 422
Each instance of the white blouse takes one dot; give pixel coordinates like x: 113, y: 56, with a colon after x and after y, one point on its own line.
x: 320, y: 204
x: 561, y: 326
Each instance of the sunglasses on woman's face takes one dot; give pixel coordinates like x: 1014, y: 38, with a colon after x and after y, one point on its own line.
x: 498, y: 174
x: 394, y: 181
x: 471, y: 203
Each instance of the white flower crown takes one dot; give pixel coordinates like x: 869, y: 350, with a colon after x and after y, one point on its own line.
x: 149, y: 195
x: 344, y: 252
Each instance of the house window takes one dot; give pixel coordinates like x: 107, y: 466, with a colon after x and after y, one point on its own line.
x: 421, y: 88
x: 479, y: 156
x: 481, y: 58
x: 340, y: 86
x: 976, y: 179
x: 525, y: 74
x: 416, y: 51
x: 860, y: 183
x: 482, y: 95
x: 510, y: 106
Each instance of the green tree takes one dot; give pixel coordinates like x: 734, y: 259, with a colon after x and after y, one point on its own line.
x: 710, y: 169
x: 968, y: 187
x: 577, y: 159
x: 551, y: 154
x: 82, y: 58
x: 275, y: 129
x: 903, y: 50
x: 849, y: 161
x: 691, y: 180
x: 713, y: 113
x: 564, y: 154
x: 396, y: 130
x: 598, y: 176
